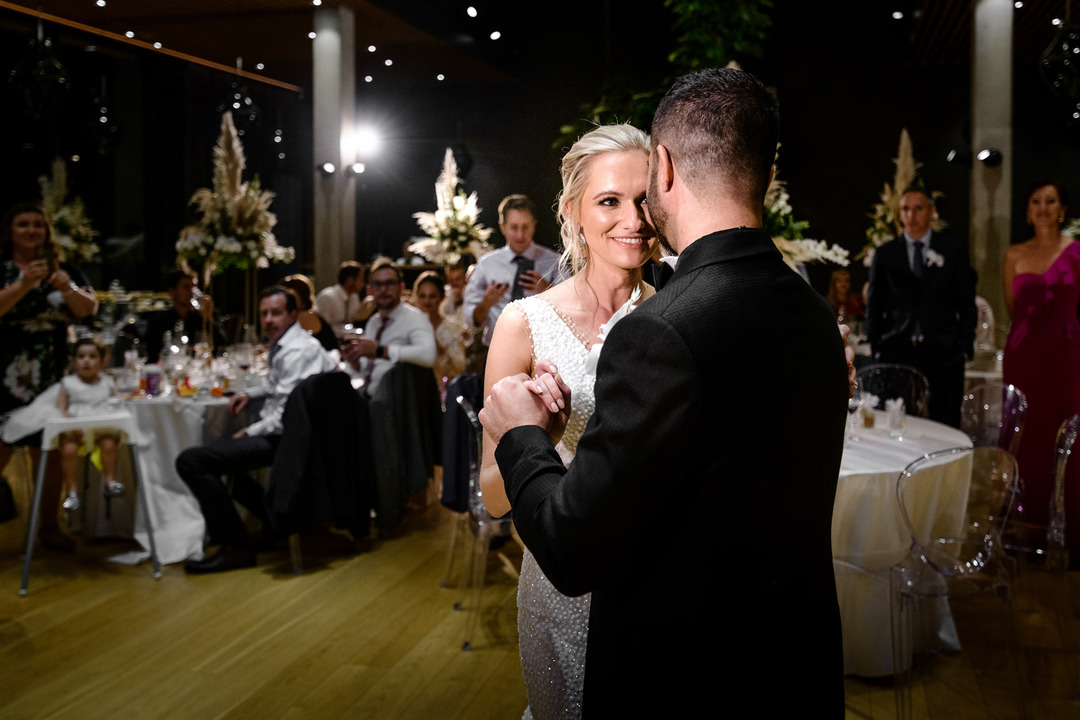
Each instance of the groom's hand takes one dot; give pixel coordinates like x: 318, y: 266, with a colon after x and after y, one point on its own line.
x: 512, y: 404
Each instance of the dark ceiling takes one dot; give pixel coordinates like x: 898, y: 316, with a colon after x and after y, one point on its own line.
x: 425, y: 38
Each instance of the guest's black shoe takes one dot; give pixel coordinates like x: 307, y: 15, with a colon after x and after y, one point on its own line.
x: 226, y: 558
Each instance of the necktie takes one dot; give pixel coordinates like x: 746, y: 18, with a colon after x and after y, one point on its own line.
x: 371, y: 361
x: 518, y: 292
x: 918, y: 264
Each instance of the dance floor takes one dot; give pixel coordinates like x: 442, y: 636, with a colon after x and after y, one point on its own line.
x: 367, y: 632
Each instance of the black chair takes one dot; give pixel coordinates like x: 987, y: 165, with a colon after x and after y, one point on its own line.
x: 323, y: 469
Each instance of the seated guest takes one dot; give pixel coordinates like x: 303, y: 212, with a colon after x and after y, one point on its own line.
x: 308, y: 316
x: 454, y: 302
x: 846, y: 304
x: 294, y: 355
x: 450, y: 332
x: 338, y: 303
x: 182, y: 286
x: 396, y: 332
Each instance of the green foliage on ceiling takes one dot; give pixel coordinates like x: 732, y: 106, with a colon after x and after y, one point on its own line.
x: 709, y: 33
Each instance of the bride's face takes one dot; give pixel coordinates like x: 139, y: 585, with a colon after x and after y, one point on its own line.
x: 612, y: 214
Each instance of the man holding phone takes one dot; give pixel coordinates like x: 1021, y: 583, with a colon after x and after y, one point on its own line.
x: 518, y: 269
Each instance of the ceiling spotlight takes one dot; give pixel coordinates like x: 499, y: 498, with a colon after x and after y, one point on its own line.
x: 1018, y: 4
x: 101, y: 3
x: 356, y: 168
x: 129, y: 34
x: 311, y: 34
x: 157, y: 46
x: 440, y: 77
x: 316, y: 3
x: 371, y: 48
x: 388, y: 62
x: 470, y: 11
x: 958, y: 157
x: 260, y: 66
x: 897, y: 15
x: 328, y: 169
x: 991, y: 157
x: 496, y: 35
x: 368, y: 78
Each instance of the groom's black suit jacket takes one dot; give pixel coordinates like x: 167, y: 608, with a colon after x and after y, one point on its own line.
x: 698, y: 507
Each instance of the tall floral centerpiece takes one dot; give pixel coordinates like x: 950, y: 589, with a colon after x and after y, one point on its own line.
x: 452, y: 230
x: 886, y: 214
x: 234, y: 225
x: 787, y: 232
x: 72, y: 231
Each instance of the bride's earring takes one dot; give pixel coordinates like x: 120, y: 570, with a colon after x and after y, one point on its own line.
x: 581, y: 237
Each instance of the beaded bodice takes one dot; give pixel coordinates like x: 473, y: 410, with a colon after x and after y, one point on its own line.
x: 555, y: 338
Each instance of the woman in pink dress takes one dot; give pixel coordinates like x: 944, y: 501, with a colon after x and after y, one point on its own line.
x: 1042, y: 356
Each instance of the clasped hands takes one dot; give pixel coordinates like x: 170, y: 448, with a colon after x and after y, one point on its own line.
x: 519, y: 400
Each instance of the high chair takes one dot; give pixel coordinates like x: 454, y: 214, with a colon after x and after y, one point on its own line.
x: 123, y: 422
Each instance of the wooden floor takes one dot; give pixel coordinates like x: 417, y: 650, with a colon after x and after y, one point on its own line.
x: 369, y: 633
x: 358, y: 635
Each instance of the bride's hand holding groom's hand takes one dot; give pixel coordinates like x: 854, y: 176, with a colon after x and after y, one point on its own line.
x: 520, y: 400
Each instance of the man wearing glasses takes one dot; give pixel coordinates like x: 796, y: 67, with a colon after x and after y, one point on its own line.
x: 396, y: 332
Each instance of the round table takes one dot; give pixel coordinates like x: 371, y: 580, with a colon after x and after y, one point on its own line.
x: 869, y: 535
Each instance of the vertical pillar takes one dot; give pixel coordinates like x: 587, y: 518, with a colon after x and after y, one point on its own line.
x: 334, y: 111
x: 991, y: 121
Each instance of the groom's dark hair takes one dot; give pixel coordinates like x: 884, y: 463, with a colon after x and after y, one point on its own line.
x: 720, y: 125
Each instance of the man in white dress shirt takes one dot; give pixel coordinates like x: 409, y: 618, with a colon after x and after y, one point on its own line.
x: 338, y: 303
x: 497, y: 279
x: 397, y: 332
x: 294, y: 355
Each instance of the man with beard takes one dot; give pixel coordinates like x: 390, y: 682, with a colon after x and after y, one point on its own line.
x: 698, y: 507
x: 397, y: 332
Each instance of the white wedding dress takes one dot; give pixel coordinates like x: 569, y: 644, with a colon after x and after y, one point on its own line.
x: 553, y: 628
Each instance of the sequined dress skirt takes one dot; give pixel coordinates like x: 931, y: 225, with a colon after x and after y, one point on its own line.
x: 552, y: 632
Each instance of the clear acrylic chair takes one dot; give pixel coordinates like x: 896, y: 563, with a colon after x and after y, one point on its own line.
x: 958, y: 552
x: 1044, y: 554
x: 125, y: 423
x: 475, y: 523
x: 992, y: 413
x: 887, y: 381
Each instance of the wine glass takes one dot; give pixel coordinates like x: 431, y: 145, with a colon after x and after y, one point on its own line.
x: 854, y: 408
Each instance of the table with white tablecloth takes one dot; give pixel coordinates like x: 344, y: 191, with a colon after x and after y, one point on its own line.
x: 167, y: 426
x: 869, y: 535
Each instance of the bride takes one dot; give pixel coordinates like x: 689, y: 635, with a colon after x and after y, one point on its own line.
x: 607, y: 238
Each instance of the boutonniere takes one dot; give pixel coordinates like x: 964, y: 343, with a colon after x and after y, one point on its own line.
x: 934, y: 258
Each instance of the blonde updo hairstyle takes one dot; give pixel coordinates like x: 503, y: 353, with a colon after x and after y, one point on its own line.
x: 575, y: 175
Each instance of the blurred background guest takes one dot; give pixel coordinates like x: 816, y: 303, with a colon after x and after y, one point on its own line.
x: 845, y: 303
x: 428, y: 295
x: 308, y: 317
x: 38, y: 300
x: 1042, y: 355
x: 338, y: 303
x: 191, y: 310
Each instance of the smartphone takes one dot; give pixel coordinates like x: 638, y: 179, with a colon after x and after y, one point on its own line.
x: 46, y: 252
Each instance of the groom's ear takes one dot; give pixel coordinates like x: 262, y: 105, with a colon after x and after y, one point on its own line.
x: 665, y: 169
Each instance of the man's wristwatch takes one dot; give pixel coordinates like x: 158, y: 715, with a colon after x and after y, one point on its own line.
x: 380, y: 352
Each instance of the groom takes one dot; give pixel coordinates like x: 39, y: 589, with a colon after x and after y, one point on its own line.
x: 698, y: 508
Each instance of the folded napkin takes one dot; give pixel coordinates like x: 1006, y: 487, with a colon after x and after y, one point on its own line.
x: 894, y: 413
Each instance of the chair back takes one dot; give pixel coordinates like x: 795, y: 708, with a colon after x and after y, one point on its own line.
x: 1066, y: 438
x: 888, y: 381
x: 992, y: 414
x: 965, y: 507
x: 476, y: 497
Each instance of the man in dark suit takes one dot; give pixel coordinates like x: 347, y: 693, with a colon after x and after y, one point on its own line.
x: 921, y: 305
x: 698, y: 507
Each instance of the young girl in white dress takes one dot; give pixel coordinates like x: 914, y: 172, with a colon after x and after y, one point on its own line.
x: 87, y: 391
x: 607, y: 238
